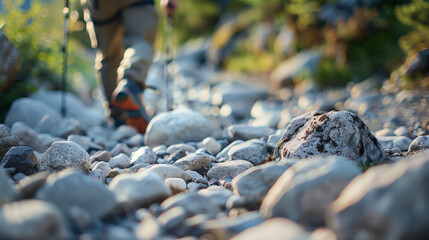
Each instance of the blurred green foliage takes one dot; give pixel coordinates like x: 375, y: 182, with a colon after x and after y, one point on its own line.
x: 37, y: 33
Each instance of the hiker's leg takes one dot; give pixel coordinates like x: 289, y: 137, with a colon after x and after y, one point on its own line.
x: 140, y: 22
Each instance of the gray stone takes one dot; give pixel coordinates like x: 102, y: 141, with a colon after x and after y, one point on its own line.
x: 32, y: 219
x: 384, y: 133
x: 104, y: 167
x: 255, y: 182
x: 195, y: 175
x: 168, y: 171
x: 228, y: 168
x: 194, y: 161
x: 83, y: 141
x: 7, y: 140
x: 211, y: 145
x: 181, y: 147
x: 219, y: 195
x: 64, y: 154
x: 120, y: 161
x: 46, y: 140
x: 179, y: 126
x: 123, y: 132
x: 224, y: 153
x: 176, y: 185
x: 121, y: 148
x: 143, y: 155
x: 101, y: 156
x: 18, y: 177
x: 172, y: 218
x: 339, y: 133
x: 277, y: 229
x: 88, y: 195
x: 193, y: 186
x: 402, y: 142
x: 22, y: 159
x: 227, y: 227
x: 29, y: 185
x: 27, y: 136
x: 390, y: 195
x: 7, y: 188
x: 246, y: 132
x: 149, y: 228
x: 401, y: 131
x: 87, y: 116
x: 304, y: 191
x: 253, y: 151
x: 139, y: 189
x: 421, y: 142
x: 193, y: 204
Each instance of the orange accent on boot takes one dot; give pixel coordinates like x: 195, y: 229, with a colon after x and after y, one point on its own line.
x: 138, y: 122
x: 123, y: 100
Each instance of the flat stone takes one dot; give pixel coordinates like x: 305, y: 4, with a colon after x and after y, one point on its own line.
x: 139, y: 189
x: 101, y: 156
x: 120, y: 161
x: 229, y: 168
x: 168, y: 171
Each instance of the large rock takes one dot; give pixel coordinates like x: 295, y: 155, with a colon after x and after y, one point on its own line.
x: 32, y: 219
x: 7, y: 140
x: 255, y: 182
x: 22, y: 159
x: 40, y: 117
x: 7, y: 188
x: 387, y: 202
x: 420, y: 143
x: 9, y: 58
x: 70, y: 189
x: 86, y: 115
x: 304, y: 191
x: 139, y: 189
x: 179, y: 126
x: 253, y: 151
x: 339, y: 133
x: 64, y: 154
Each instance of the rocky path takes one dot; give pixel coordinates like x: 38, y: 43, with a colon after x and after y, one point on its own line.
x: 234, y: 160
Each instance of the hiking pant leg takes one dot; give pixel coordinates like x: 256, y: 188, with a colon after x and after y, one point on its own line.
x: 107, y: 38
x: 140, y: 23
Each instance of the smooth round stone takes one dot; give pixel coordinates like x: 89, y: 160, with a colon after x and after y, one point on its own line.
x: 101, y: 156
x: 120, y: 161
x: 401, y: 131
x: 211, y: 145
x: 176, y: 184
x: 228, y: 168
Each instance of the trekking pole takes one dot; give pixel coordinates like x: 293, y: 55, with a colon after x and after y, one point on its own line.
x: 168, y: 42
x: 66, y: 11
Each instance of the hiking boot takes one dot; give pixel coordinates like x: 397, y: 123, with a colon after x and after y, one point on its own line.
x: 128, y: 98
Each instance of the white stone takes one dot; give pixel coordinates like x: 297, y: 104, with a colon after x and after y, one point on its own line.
x: 143, y: 155
x: 176, y: 185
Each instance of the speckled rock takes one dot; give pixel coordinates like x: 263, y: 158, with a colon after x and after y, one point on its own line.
x: 421, y: 142
x: 339, y: 133
x: 7, y: 140
x: 64, y: 154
